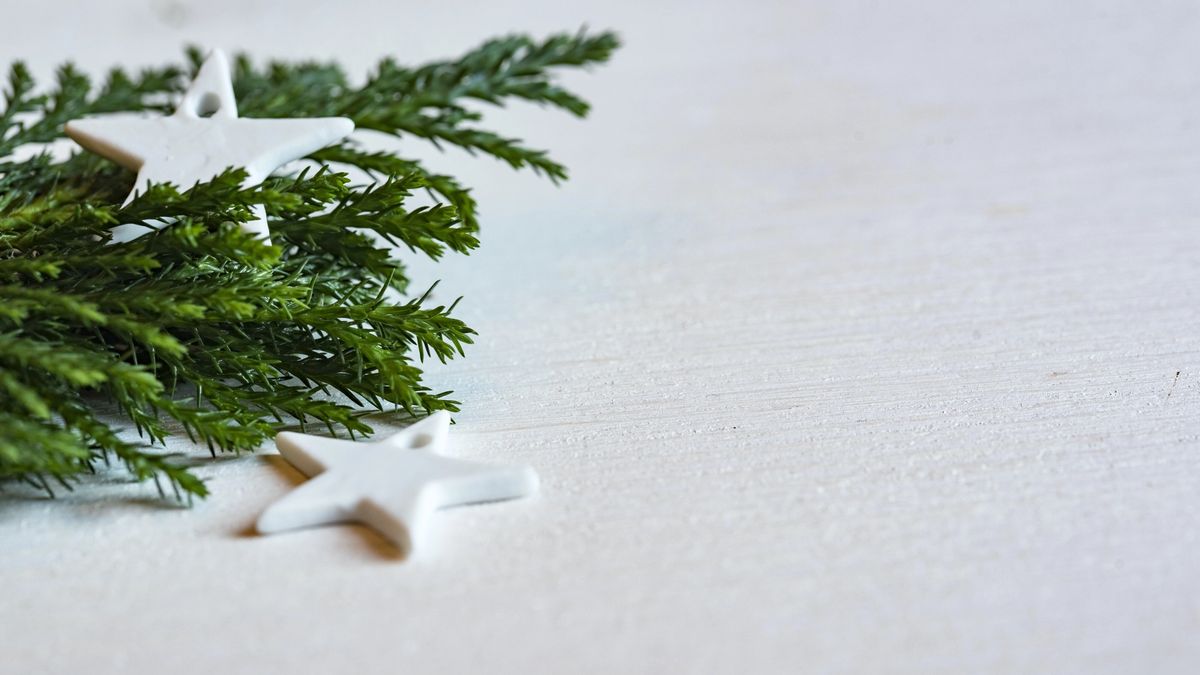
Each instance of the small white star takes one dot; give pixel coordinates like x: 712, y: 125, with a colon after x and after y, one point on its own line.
x: 391, y: 485
x: 203, y: 138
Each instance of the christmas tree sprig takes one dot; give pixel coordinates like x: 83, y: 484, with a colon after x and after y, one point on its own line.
x: 199, y: 327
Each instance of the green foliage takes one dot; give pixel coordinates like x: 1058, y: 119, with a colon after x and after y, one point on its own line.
x: 202, y: 324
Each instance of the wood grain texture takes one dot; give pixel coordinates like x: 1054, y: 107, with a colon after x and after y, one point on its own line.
x: 864, y: 339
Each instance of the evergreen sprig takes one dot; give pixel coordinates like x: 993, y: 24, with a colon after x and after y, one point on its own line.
x: 202, y: 328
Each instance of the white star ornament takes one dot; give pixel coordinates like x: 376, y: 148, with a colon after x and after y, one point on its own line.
x: 392, y: 486
x: 202, y: 139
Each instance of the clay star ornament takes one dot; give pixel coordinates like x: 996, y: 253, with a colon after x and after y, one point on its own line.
x: 201, y: 140
x: 391, y: 486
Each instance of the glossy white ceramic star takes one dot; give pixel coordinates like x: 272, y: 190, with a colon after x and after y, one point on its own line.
x: 391, y: 485
x: 202, y: 139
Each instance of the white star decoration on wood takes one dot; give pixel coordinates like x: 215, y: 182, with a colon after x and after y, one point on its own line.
x: 202, y: 139
x: 391, y: 486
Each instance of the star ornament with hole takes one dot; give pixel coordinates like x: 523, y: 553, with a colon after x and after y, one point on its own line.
x: 201, y: 140
x: 392, y: 486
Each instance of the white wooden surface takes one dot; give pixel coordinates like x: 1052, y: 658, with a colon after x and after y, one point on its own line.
x: 864, y: 339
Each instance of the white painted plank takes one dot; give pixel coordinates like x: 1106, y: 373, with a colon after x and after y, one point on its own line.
x: 852, y: 346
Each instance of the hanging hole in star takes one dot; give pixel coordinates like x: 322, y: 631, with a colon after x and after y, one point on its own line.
x: 420, y: 441
x: 208, y: 105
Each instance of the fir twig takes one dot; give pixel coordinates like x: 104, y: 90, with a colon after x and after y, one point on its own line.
x: 199, y: 322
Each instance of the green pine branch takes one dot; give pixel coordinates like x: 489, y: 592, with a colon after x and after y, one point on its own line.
x: 199, y: 326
